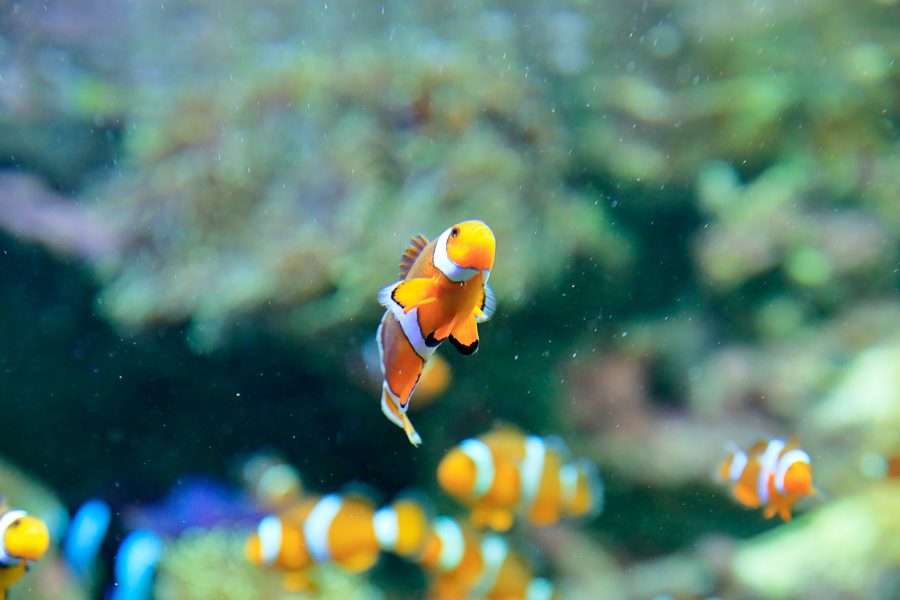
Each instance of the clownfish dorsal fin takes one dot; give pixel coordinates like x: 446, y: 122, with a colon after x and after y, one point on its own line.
x: 488, y: 305
x: 758, y: 448
x: 409, y: 294
x: 411, y: 253
x: 464, y: 335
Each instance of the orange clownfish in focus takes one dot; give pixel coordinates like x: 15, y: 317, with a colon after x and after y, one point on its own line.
x: 442, y: 293
x: 505, y: 472
x: 23, y: 538
x: 773, y: 473
x: 461, y: 564
x: 345, y: 530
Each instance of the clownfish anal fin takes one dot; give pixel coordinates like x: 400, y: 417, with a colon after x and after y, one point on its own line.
x: 411, y: 253
x: 488, y: 305
x: 464, y: 336
x: 431, y: 341
x: 412, y: 293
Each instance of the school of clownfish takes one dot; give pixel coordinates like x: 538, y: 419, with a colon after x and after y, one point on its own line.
x: 501, y: 475
x: 442, y: 293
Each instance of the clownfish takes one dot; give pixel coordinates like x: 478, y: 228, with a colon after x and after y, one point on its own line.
x: 442, y: 293
x: 271, y: 481
x: 773, y: 473
x: 345, y: 530
x: 505, y: 472
x: 463, y: 565
x: 23, y: 539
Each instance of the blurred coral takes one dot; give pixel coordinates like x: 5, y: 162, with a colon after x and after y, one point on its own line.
x: 210, y: 564
x: 850, y: 546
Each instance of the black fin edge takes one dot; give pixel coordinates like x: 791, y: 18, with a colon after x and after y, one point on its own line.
x: 462, y: 348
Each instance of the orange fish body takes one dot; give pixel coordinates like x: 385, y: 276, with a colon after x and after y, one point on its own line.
x: 462, y: 564
x: 452, y: 558
x: 23, y: 538
x: 774, y: 474
x: 442, y: 294
x: 505, y: 472
x: 346, y: 531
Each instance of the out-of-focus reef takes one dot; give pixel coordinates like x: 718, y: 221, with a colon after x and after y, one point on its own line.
x: 203, y: 564
x: 283, y: 173
x: 851, y: 546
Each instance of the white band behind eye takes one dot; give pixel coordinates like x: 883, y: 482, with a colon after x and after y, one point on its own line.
x: 790, y: 458
x: 6, y: 520
x: 317, y: 526
x: 738, y: 462
x: 269, y: 532
x: 442, y: 261
x: 387, y: 527
x: 493, y: 553
x: 481, y: 455
x: 453, y: 544
x: 767, y: 464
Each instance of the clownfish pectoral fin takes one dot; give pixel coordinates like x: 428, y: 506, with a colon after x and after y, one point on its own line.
x: 412, y: 252
x: 488, y: 305
x: 412, y: 293
x: 361, y: 561
x: 769, y: 511
x: 493, y: 518
x: 464, y: 336
x: 297, y: 581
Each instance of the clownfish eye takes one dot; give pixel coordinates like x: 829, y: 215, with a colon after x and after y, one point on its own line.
x: 454, y: 232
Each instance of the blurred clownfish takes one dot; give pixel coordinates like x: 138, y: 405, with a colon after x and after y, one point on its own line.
x: 345, y: 530
x: 271, y: 481
x: 773, y: 473
x: 462, y: 565
x: 23, y: 538
x: 505, y: 472
x: 442, y: 293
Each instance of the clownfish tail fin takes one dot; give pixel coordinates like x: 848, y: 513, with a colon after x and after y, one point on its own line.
x: 398, y: 417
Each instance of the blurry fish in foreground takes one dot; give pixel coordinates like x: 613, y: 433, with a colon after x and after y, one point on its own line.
x: 135, y: 565
x: 85, y: 536
x: 442, y: 293
x: 774, y: 474
x: 461, y: 564
x: 271, y: 481
x: 23, y: 538
x: 435, y: 379
x: 343, y: 529
x: 505, y: 472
